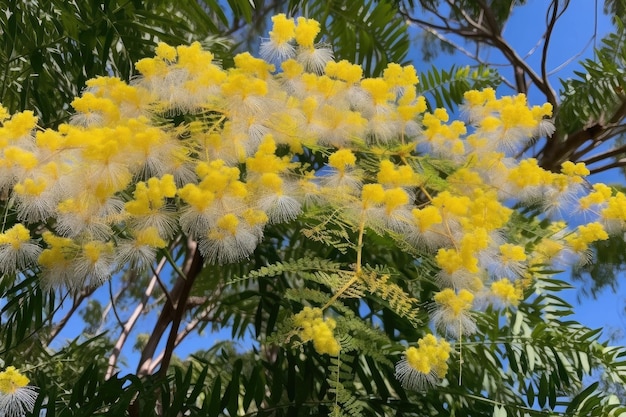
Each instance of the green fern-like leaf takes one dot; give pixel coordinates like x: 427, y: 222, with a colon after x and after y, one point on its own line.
x: 341, y: 384
x: 367, y: 32
x: 443, y: 88
x: 297, y: 266
x: 599, y: 90
x: 396, y: 298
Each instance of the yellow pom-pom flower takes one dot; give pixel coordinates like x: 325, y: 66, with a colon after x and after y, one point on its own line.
x: 312, y: 327
x: 451, y: 312
x: 16, y: 396
x: 506, y: 292
x: 422, y: 366
x: 17, y: 250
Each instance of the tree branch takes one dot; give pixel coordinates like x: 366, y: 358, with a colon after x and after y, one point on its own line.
x: 191, y: 272
x: 605, y: 155
x: 617, y: 164
x: 173, y: 309
x: 205, y: 315
x: 132, y: 320
x: 76, y: 302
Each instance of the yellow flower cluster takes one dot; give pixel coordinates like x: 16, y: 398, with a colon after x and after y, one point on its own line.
x: 314, y: 327
x: 423, y: 365
x: 217, y: 154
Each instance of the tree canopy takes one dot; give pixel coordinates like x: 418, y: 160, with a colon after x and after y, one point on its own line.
x: 378, y: 253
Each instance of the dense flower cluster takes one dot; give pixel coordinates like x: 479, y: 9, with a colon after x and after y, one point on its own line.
x: 214, y: 153
x: 312, y: 326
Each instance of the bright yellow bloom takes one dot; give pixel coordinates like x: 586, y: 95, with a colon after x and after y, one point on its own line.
x: 292, y: 68
x: 615, y: 208
x: 396, y: 176
x: 149, y: 237
x: 512, y: 253
x: 399, y: 76
x: 265, y: 160
x: 4, y: 113
x: 20, y: 125
x: 165, y: 51
x: 423, y: 365
x: 18, y: 156
x: 426, y: 217
x: 254, y: 66
x: 570, y: 169
x: 31, y: 187
x: 16, y: 396
x: 60, y: 251
x: 394, y: 198
x: 448, y: 203
x: 601, y: 194
x: 455, y: 303
x: 11, y: 379
x: 94, y: 249
x: 486, y: 211
x: 313, y: 327
x: 505, y: 291
x: 586, y: 234
x: 196, y: 197
x: 441, y: 114
x: 372, y: 194
x: 283, y: 29
x: 149, y: 197
x: 344, y: 70
x: 451, y: 312
x: 229, y: 223
x: 16, y: 236
x: 306, y: 31
x: 342, y: 159
x: 379, y: 89
x: 528, y: 173
x: 449, y: 260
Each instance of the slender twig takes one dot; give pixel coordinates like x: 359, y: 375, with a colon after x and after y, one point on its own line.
x: 112, y: 304
x: 76, y: 302
x: 191, y: 272
x: 553, y: 12
x: 132, y: 320
x: 205, y: 315
x: 160, y: 282
x: 605, y: 155
x: 617, y: 164
x: 110, y: 307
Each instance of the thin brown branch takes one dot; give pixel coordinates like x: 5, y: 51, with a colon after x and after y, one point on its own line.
x: 178, y: 294
x: 161, y: 285
x: 113, y: 301
x: 467, y: 17
x: 205, y: 315
x: 491, y: 20
x: 76, y: 302
x: 490, y: 35
x: 191, y: 272
x: 617, y: 164
x: 605, y: 155
x: 553, y: 12
x: 111, y: 307
x: 132, y: 320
